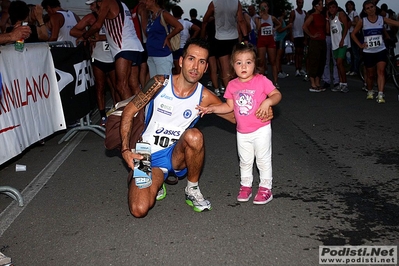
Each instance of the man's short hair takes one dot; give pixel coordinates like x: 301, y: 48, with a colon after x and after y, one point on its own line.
x: 18, y: 11
x: 193, y: 12
x: 177, y: 11
x: 199, y: 42
x: 51, y: 3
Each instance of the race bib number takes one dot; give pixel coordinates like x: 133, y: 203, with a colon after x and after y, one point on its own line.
x: 266, y: 30
x: 334, y: 29
x: 373, y: 41
x: 106, y: 47
x: 102, y: 31
x: 164, y: 135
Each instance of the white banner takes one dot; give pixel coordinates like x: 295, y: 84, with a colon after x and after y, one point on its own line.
x: 30, y: 104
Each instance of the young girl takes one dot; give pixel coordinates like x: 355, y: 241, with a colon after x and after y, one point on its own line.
x: 250, y: 95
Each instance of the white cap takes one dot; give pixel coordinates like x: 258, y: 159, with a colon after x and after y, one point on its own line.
x: 90, y: 2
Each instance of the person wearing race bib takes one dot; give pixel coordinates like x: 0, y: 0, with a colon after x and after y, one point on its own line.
x: 266, y: 25
x: 123, y: 42
x: 177, y: 148
x: 339, y: 26
x: 374, y: 50
x: 102, y: 60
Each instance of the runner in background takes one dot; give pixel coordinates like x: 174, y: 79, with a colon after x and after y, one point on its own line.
x: 297, y: 18
x: 102, y: 60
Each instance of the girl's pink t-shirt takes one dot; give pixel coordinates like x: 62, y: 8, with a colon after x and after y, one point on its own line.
x: 247, y: 97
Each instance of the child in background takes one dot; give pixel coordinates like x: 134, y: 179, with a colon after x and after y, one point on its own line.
x: 250, y: 95
x: 289, y: 52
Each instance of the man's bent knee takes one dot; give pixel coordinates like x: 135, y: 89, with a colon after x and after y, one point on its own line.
x: 194, y: 136
x: 138, y: 210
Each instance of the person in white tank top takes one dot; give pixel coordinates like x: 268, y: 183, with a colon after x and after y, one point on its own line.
x: 374, y: 53
x: 61, y: 21
x: 339, y: 25
x: 297, y: 18
x: 228, y: 15
x: 102, y: 60
x: 125, y: 46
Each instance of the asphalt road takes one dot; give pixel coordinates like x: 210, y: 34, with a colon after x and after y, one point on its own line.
x: 336, y: 182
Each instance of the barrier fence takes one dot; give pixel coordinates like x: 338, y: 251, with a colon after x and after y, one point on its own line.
x: 40, y: 89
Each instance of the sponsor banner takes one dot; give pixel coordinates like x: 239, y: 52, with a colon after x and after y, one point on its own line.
x: 75, y: 80
x: 30, y: 104
x: 348, y: 255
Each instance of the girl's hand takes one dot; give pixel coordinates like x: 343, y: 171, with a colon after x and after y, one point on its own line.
x: 203, y: 110
x: 265, y: 114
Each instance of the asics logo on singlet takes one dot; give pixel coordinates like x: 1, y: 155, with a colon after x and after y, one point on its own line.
x: 166, y: 97
x: 167, y: 132
x: 187, y: 114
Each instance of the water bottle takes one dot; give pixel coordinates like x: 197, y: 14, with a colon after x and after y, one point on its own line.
x: 20, y: 44
x: 142, y: 168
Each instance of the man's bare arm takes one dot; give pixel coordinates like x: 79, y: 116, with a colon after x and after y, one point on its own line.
x: 20, y: 32
x: 209, y: 12
x: 102, y: 14
x: 80, y: 28
x: 56, y: 20
x: 241, y: 21
x: 136, y: 104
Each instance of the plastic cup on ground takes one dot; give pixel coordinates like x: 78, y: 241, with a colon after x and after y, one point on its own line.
x: 20, y: 168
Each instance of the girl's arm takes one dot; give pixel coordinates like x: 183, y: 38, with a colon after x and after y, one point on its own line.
x: 222, y: 108
x: 273, y: 98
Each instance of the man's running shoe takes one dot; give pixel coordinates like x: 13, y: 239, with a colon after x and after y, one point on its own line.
x: 380, y: 98
x: 344, y: 88
x: 302, y: 72
x: 161, y: 192
x: 244, y: 194
x: 297, y: 73
x: 336, y: 88
x: 315, y: 89
x: 263, y: 196
x: 326, y: 85
x: 195, y: 199
x: 282, y: 75
x: 370, y: 95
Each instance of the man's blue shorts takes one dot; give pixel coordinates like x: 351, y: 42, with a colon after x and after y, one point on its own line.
x: 163, y: 159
